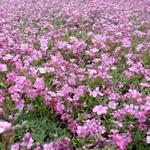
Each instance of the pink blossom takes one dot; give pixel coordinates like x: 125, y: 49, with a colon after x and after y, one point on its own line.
x: 121, y: 140
x: 48, y: 146
x: 99, y: 109
x: 39, y: 84
x: 5, y: 126
x: 96, y: 92
x: 145, y: 85
x: 126, y: 42
x: 3, y: 68
x: 148, y: 137
x: 112, y: 105
x: 44, y: 44
x: 15, y: 146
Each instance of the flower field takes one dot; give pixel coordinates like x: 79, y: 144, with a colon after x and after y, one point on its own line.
x: 74, y: 75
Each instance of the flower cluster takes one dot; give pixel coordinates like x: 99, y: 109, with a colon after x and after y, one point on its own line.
x: 78, y: 72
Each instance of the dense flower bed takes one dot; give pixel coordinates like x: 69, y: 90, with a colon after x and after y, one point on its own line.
x: 74, y: 74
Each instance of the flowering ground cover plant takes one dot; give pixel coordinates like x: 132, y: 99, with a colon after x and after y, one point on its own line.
x: 74, y: 75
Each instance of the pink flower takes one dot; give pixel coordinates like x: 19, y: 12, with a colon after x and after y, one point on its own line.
x: 38, y: 147
x: 3, y: 68
x: 2, y: 111
x: 112, y: 105
x: 1, y: 98
x: 59, y: 108
x: 15, y: 146
x: 94, y: 50
x: 72, y: 79
x: 118, y: 124
x: 82, y: 131
x: 148, y: 137
x: 140, y: 47
x: 39, y: 84
x: 145, y: 85
x: 65, y: 90
x: 61, y: 45
x: 121, y: 141
x: 48, y: 146
x: 20, y: 105
x: 99, y: 110
x: 11, y: 77
x: 142, y: 126
x: 135, y: 95
x: 90, y: 128
x: 5, y: 126
x: 27, y: 141
x: 95, y: 93
x: 32, y: 94
x: 44, y: 43
x: 126, y: 42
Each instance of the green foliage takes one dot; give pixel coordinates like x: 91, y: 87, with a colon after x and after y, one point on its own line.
x: 138, y: 142
x: 57, y: 22
x: 146, y: 59
x: 37, y: 46
x: 94, y: 82
x: 42, y: 123
x: 40, y: 62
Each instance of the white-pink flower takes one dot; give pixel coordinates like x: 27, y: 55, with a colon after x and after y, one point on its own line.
x: 48, y: 146
x: 148, y: 137
x: 3, y: 67
x: 95, y: 93
x: 39, y: 84
x: 99, y: 109
x: 4, y: 126
x: 126, y: 42
x: 145, y: 85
